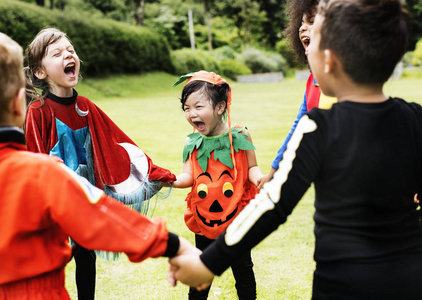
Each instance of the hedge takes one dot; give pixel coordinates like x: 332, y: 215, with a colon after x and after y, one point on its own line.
x: 187, y: 60
x: 104, y: 46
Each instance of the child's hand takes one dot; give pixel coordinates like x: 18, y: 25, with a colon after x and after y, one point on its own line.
x: 190, y: 270
x: 185, y: 248
x: 263, y: 180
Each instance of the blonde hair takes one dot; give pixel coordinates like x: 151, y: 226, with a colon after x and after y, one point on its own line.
x: 12, y: 77
x: 35, y: 53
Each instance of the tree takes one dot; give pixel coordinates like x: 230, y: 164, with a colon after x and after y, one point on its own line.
x: 62, y: 4
x: 417, y: 54
x: 273, y: 27
x: 415, y: 9
x: 207, y: 18
x: 138, y: 11
x: 247, y: 16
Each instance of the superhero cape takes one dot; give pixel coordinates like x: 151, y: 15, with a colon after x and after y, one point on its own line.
x: 314, y: 97
x: 90, y: 143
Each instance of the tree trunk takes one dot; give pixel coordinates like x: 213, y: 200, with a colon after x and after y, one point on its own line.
x: 141, y: 12
x: 138, y: 11
x: 62, y: 4
x: 51, y: 4
x: 40, y: 2
x: 207, y: 17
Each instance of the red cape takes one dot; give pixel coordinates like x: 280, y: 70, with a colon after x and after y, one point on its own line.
x: 112, y: 161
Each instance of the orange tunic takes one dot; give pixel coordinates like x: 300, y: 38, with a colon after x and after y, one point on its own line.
x: 217, y: 195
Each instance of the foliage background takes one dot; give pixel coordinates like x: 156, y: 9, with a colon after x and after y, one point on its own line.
x: 110, y: 36
x: 246, y: 37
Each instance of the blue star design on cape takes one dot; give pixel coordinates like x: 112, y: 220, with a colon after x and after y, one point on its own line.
x: 70, y: 145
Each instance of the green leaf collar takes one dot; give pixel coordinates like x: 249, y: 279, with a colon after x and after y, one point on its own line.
x: 219, y: 144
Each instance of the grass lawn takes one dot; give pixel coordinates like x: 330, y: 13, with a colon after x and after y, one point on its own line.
x: 149, y: 111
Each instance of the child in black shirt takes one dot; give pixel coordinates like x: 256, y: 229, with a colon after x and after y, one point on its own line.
x: 364, y: 156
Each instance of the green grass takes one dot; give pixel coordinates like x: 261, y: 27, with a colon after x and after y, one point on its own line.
x: 148, y: 110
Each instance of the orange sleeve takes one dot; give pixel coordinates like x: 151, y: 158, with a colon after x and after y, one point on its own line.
x: 99, y: 222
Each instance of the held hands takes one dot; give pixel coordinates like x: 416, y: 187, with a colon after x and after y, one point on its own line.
x: 264, y: 179
x: 187, y: 267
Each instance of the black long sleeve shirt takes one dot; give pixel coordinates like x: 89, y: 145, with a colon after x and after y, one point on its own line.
x: 366, y: 164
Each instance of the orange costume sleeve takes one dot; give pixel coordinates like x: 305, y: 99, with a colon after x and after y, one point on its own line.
x: 43, y: 203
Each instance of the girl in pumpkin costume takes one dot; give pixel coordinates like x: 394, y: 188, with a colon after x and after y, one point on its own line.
x: 221, y: 168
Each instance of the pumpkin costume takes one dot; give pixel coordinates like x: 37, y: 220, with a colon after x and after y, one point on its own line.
x: 220, y: 189
x: 217, y: 195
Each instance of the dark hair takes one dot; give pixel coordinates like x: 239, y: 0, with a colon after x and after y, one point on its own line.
x: 295, y: 11
x: 216, y: 93
x: 369, y: 37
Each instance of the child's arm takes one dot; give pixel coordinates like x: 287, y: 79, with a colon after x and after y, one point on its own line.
x: 185, y: 179
x: 274, y: 166
x: 255, y: 172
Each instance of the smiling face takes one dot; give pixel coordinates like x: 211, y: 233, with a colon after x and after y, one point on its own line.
x: 305, y: 28
x: 60, y: 68
x: 201, y: 114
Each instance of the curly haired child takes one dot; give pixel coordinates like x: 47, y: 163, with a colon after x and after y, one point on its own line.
x: 301, y: 14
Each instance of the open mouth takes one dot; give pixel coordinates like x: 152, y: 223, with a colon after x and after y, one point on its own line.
x: 211, y: 223
x: 306, y: 41
x: 199, y: 125
x: 70, y: 69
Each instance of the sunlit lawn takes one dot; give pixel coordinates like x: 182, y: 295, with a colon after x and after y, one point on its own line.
x: 148, y: 110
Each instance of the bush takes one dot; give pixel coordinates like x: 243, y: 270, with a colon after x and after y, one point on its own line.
x: 283, y: 48
x: 173, y: 28
x: 201, y: 37
x: 412, y: 73
x: 417, y: 54
x: 231, y: 68
x: 187, y: 60
x: 262, y: 62
x: 407, y: 59
x: 225, y: 52
x: 104, y: 46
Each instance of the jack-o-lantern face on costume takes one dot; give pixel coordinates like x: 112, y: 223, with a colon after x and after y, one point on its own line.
x: 220, y: 171
x: 214, y: 203
x: 215, y: 195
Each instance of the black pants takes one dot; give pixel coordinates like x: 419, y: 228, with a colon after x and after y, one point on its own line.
x: 85, y: 272
x: 242, y: 271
